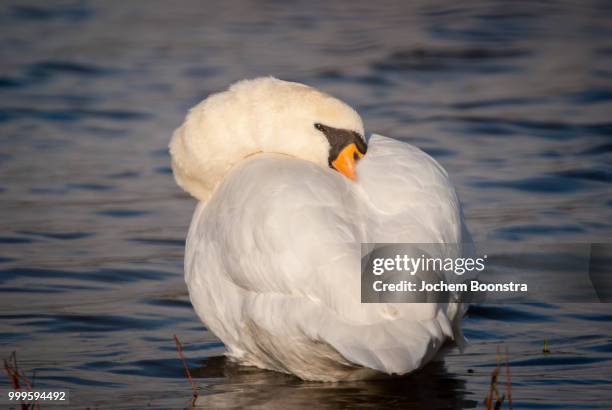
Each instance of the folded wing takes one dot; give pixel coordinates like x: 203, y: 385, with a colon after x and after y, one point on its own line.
x: 273, y: 260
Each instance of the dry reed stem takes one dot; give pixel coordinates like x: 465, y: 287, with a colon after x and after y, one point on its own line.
x: 508, y: 381
x: 12, y: 371
x: 493, y: 385
x: 194, y: 390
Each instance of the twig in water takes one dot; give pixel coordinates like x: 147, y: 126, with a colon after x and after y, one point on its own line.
x: 493, y: 392
x: 12, y: 371
x: 179, y: 348
x: 10, y: 366
x: 493, y: 389
x: 508, y: 382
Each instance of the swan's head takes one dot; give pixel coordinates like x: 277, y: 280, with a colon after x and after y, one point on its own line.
x: 264, y: 115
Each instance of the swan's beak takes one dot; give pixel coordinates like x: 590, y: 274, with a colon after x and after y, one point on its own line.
x: 346, y: 161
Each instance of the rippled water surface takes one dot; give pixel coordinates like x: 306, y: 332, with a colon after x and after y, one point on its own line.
x: 514, y: 99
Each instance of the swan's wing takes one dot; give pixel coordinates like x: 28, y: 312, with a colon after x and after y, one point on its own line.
x: 415, y: 202
x: 276, y: 253
x: 413, y: 197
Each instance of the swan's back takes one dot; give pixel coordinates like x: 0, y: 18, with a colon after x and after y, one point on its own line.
x: 273, y: 262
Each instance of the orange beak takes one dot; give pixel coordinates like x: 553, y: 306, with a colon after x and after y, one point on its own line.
x: 347, y: 159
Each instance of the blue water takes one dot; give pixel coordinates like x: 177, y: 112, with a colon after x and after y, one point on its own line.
x: 514, y: 99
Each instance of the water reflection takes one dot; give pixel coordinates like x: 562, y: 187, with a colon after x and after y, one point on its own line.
x: 242, y: 387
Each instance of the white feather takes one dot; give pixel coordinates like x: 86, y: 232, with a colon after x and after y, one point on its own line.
x: 272, y: 262
x: 259, y: 115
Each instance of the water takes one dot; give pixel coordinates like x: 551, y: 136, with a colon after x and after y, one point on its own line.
x: 513, y: 99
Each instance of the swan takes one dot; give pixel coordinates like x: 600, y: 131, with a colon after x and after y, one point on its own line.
x: 288, y: 189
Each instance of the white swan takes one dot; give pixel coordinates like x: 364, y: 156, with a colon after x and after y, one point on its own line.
x: 272, y: 260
